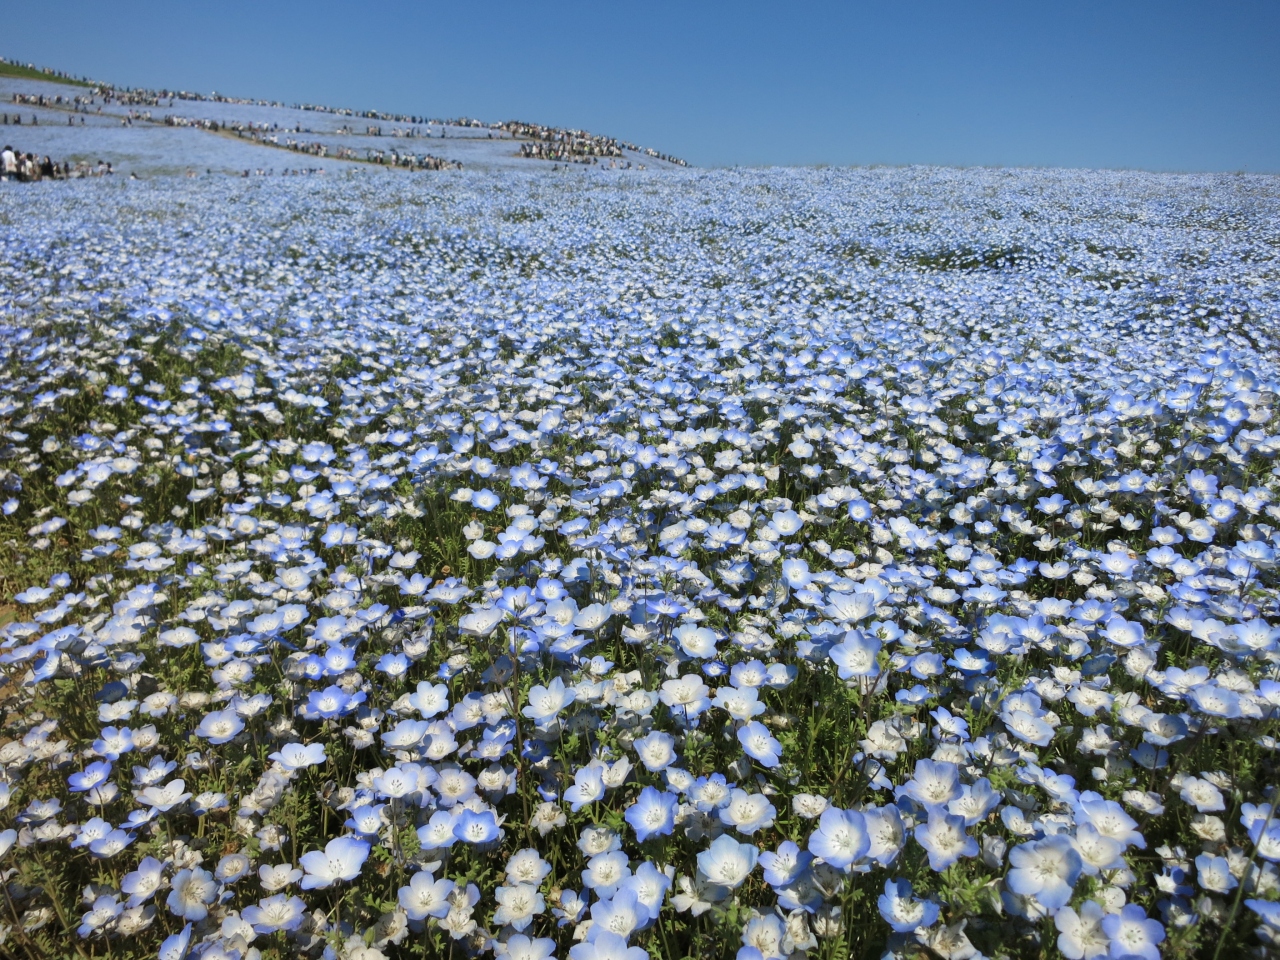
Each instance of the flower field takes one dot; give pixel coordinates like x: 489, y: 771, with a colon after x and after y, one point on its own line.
x: 755, y: 564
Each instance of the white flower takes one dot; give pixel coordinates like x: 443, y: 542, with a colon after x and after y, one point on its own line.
x: 518, y: 904
x: 1202, y: 795
x: 296, y: 756
x: 727, y: 862
x: 341, y: 859
x: 278, y: 876
x: 1080, y: 935
x: 425, y: 896
x: 192, y: 892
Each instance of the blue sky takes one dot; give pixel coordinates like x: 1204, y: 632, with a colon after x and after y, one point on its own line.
x: 1163, y: 86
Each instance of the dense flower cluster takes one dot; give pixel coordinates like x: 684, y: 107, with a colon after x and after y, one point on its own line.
x: 747, y: 563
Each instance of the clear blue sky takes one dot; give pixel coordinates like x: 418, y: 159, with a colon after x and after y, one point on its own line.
x: 1167, y: 86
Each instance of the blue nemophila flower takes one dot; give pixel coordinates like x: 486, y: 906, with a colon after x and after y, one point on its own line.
x: 727, y: 862
x: 759, y: 744
x: 278, y: 876
x: 367, y: 820
x: 855, y: 655
x: 94, y: 775
x: 271, y: 914
x: 329, y: 703
x: 944, y: 838
x: 92, y: 829
x: 741, y: 703
x: 650, y: 886
x: 111, y: 843
x: 934, y: 783
x: 1080, y: 935
x: 1201, y: 794
x: 232, y: 867
x: 341, y: 859
x: 747, y: 812
x: 394, y: 665
x: 1214, y: 700
x: 297, y: 756
x: 588, y: 786
x: 796, y: 573
x: 103, y: 912
x: 916, y: 694
x: 477, y: 827
x: 969, y: 662
x: 482, y: 622
x: 526, y: 866
x: 1124, y: 633
x: 190, y: 894
x: 518, y: 904
x: 1027, y: 726
x: 607, y: 946
x: 605, y: 871
x: 1046, y: 870
x: 1097, y: 851
x: 1132, y: 934
x: 886, y: 831
x: 841, y: 838
x: 1109, y: 819
x: 175, y: 945
x: 520, y: 947
x: 430, y: 699
x: 219, y: 726
x: 425, y: 896
x: 656, y: 750
x: 485, y: 500
x: 113, y: 742
x: 903, y: 913
x: 544, y: 703
x: 1214, y: 874
x: 652, y: 814
x: 620, y: 914
x: 406, y: 735
x: 165, y: 798
x: 949, y: 725
x: 142, y: 883
x: 404, y: 779
x: 696, y: 642
x: 783, y: 866
x: 975, y: 802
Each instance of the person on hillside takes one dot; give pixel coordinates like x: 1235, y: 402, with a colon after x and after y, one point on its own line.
x: 8, y: 164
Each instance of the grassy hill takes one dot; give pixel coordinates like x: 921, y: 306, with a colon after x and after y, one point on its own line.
x: 30, y: 73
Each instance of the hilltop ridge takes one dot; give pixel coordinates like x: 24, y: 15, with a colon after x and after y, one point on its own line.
x: 147, y: 132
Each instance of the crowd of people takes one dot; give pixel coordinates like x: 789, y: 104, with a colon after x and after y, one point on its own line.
x: 548, y: 143
x: 411, y: 161
x: 572, y: 146
x: 22, y: 167
x: 539, y: 142
x: 552, y: 143
x: 78, y: 105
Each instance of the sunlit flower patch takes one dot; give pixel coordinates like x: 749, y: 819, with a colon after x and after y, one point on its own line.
x: 756, y: 564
